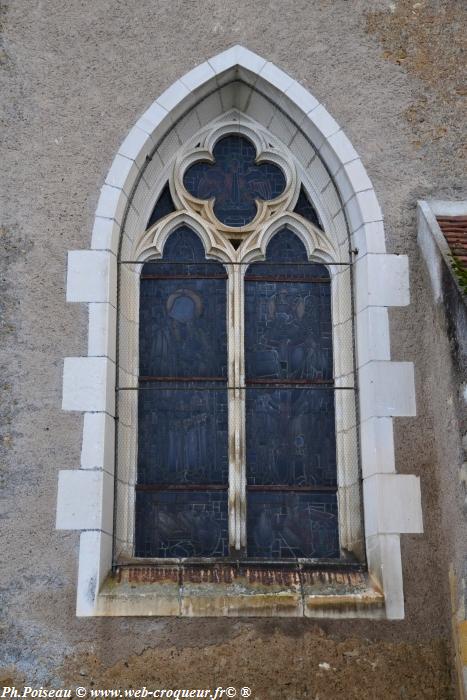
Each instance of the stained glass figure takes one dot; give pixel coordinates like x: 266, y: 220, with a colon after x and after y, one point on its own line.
x: 181, y: 504
x: 290, y: 437
x: 235, y: 180
x: 305, y: 208
x: 290, y: 417
x: 185, y: 434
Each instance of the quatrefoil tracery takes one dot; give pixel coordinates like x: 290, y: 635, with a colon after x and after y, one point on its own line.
x: 198, y: 178
x: 234, y: 180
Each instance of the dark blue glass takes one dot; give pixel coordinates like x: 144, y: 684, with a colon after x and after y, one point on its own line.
x: 182, y: 330
x: 288, y: 330
x: 235, y: 180
x: 305, y: 208
x: 290, y: 437
x: 290, y: 525
x: 181, y: 524
x: 163, y: 206
x: 182, y: 434
x: 182, y: 425
x: 290, y: 416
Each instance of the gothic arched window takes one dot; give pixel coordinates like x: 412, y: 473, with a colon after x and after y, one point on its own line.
x: 231, y: 447
x: 239, y: 164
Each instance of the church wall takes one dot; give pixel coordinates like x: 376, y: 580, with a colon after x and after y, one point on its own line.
x: 74, y: 80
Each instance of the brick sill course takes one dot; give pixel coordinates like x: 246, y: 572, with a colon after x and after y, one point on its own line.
x: 244, y: 590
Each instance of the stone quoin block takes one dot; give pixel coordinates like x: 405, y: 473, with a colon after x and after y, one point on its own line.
x: 392, y: 504
x: 91, y: 276
x: 89, y: 384
x: 387, y: 389
x: 85, y: 500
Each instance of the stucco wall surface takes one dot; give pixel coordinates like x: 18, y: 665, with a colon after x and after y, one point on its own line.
x: 75, y: 77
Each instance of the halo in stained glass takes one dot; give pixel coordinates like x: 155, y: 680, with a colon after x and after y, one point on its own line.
x: 234, y: 180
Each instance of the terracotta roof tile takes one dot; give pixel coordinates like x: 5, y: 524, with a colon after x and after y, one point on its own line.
x: 454, y: 229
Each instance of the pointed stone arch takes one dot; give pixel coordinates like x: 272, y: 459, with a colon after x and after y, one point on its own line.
x: 336, y: 179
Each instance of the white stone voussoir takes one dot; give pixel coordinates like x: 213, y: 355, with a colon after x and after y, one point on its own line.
x: 105, y: 234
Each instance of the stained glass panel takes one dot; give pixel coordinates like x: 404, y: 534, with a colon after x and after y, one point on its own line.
x: 182, y: 327
x: 290, y: 416
x: 290, y: 525
x: 288, y: 330
x: 235, y: 180
x: 181, y: 524
x: 182, y: 434
x: 181, y: 507
x: 182, y: 330
x: 290, y: 437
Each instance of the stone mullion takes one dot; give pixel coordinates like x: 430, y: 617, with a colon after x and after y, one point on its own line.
x: 237, y: 477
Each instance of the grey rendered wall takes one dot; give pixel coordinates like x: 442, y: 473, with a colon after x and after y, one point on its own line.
x: 75, y: 77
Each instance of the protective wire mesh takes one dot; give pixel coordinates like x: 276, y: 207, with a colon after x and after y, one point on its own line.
x: 173, y: 454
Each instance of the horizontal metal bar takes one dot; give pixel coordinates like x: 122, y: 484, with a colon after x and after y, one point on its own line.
x: 153, y: 488
x: 310, y: 280
x: 232, y: 262
x: 291, y: 382
x: 301, y: 387
x: 291, y: 488
x: 288, y: 488
x: 182, y: 379
x: 184, y: 277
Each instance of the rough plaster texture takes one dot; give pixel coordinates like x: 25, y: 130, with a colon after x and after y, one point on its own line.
x: 75, y: 77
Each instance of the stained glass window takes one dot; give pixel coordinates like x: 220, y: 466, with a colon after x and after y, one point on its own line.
x: 186, y: 435
x: 290, y: 433
x: 181, y: 492
x: 305, y: 208
x: 163, y: 206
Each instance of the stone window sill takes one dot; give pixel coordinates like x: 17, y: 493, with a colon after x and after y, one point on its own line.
x: 239, y: 591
